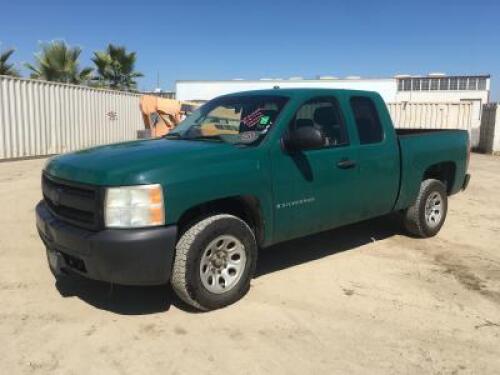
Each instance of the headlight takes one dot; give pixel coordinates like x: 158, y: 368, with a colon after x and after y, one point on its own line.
x: 134, y: 206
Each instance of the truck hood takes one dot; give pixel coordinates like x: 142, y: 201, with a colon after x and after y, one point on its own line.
x: 137, y: 162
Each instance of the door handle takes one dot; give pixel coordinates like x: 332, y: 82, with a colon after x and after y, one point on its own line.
x: 346, y: 164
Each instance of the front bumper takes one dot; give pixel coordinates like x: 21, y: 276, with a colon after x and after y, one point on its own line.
x: 121, y: 256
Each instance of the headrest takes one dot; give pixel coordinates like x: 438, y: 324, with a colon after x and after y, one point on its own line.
x: 325, y: 116
x: 303, y: 122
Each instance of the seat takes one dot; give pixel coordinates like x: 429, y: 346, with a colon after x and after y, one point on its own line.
x: 371, y: 130
x: 327, y: 118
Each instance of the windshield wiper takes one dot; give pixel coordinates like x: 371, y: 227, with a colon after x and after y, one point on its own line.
x: 176, y: 135
x: 216, y: 137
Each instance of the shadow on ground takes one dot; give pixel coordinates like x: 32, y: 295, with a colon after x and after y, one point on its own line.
x: 124, y: 300
x: 129, y: 300
x: 307, y: 249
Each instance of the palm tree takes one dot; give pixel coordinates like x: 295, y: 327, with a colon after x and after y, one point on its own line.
x: 115, y: 68
x: 5, y: 68
x: 59, y: 62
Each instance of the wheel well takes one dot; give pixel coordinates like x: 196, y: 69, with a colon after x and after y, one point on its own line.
x: 247, y: 208
x: 444, y: 172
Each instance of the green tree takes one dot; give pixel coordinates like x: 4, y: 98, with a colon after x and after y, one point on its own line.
x: 115, y: 68
x: 7, y: 69
x: 59, y: 62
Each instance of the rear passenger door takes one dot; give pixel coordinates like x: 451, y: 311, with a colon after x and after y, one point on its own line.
x: 313, y: 189
x: 378, y: 157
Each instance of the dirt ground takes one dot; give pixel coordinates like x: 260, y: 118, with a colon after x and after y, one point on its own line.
x: 363, y: 299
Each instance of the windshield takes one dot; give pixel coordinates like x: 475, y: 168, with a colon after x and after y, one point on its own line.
x: 232, y: 119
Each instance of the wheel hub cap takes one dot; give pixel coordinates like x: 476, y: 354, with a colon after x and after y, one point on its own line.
x: 434, y: 209
x: 222, y: 264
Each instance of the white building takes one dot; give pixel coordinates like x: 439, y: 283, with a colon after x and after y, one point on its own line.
x: 206, y: 90
x: 434, y: 88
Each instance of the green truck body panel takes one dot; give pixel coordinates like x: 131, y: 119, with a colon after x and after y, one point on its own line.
x: 297, y: 194
x: 420, y: 151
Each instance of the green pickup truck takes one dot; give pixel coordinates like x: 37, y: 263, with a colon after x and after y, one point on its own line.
x: 243, y: 172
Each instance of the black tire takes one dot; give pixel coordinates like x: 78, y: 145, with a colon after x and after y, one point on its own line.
x: 415, y: 220
x: 186, y: 274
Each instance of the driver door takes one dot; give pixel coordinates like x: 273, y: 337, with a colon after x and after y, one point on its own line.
x: 314, y: 190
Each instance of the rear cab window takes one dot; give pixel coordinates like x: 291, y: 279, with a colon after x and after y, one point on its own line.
x: 367, y: 120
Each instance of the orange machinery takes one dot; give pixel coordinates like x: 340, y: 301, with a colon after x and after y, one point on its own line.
x: 161, y: 115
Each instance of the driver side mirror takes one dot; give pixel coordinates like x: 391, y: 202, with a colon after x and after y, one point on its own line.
x: 304, y: 138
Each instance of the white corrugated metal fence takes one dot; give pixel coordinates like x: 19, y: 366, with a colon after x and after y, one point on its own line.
x: 42, y: 118
x: 432, y: 115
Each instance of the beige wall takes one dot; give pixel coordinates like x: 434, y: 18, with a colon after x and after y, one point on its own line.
x: 431, y: 115
x: 477, y: 98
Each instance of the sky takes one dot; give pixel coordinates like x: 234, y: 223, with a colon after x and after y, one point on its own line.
x: 199, y: 40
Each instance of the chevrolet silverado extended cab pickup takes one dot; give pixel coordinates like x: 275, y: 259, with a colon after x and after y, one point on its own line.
x: 243, y: 172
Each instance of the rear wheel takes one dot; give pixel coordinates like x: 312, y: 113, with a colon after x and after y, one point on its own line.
x: 214, y: 262
x: 427, y: 215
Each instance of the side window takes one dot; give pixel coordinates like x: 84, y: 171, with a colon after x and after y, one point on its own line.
x: 367, y: 120
x: 323, y: 114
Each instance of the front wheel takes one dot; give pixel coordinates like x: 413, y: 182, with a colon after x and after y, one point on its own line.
x: 214, y: 262
x: 427, y: 215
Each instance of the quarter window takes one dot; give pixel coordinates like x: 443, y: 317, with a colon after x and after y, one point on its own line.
x: 367, y: 120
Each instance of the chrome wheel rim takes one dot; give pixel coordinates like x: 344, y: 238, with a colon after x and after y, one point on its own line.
x: 434, y: 209
x: 222, y: 264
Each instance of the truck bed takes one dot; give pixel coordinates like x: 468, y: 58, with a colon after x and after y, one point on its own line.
x: 421, y: 148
